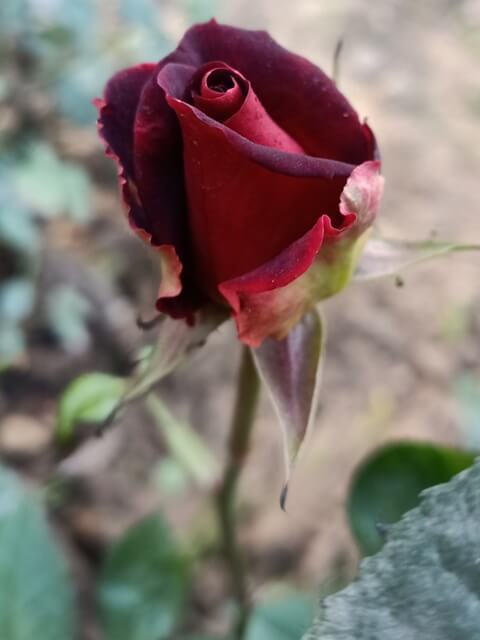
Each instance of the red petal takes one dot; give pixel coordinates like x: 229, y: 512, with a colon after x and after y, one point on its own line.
x: 270, y: 300
x: 247, y: 201
x: 240, y: 109
x: 299, y: 97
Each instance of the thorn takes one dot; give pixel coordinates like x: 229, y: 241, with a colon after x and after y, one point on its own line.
x: 149, y: 324
x: 383, y: 529
x: 283, y: 498
x: 336, y: 60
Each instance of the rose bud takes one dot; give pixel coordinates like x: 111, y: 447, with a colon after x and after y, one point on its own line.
x: 248, y: 171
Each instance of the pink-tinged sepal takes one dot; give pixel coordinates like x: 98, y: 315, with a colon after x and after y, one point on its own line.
x: 290, y: 369
x: 362, y: 194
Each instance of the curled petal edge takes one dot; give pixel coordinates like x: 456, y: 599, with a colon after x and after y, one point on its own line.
x: 270, y: 300
x: 362, y: 194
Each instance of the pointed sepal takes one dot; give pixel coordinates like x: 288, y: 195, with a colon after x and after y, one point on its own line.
x: 290, y: 369
x: 385, y: 257
x: 175, y: 341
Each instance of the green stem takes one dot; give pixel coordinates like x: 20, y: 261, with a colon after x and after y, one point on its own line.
x: 238, y: 446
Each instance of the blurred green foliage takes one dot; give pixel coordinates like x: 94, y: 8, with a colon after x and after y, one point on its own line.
x: 35, y: 188
x: 55, y: 57
x: 37, y: 598
x: 89, y: 398
x: 143, y: 584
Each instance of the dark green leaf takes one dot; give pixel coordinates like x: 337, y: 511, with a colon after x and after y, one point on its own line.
x: 35, y: 595
x: 389, y: 482
x: 425, y: 582
x: 89, y: 398
x: 143, y: 584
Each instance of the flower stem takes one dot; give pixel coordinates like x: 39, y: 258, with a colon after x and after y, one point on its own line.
x: 238, y: 446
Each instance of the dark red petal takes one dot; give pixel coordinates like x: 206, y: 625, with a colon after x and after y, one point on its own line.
x: 115, y: 125
x: 248, y: 202
x: 158, y: 164
x: 254, y: 123
x: 158, y: 161
x: 218, y: 105
x: 117, y: 113
x: 240, y: 109
x: 299, y: 97
x: 271, y: 299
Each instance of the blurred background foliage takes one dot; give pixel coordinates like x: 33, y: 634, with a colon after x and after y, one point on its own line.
x: 55, y: 56
x: 120, y: 542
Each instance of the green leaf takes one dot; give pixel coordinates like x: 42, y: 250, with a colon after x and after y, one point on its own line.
x: 67, y: 313
x: 12, y: 343
x: 89, y: 398
x: 425, y: 582
x: 52, y: 186
x: 290, y: 370
x: 36, y: 597
x: 18, y: 229
x: 388, y: 483
x: 143, y: 584
x: 285, y: 618
x: 384, y: 257
x: 16, y: 299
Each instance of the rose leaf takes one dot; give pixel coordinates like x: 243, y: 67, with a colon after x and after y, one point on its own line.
x: 425, y: 582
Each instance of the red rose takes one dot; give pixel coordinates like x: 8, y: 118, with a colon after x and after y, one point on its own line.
x: 234, y: 158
